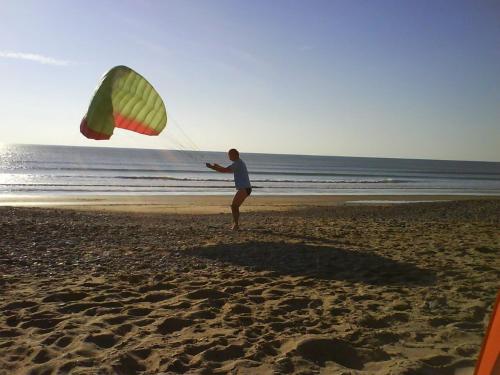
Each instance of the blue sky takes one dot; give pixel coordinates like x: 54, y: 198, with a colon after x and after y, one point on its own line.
x: 357, y: 78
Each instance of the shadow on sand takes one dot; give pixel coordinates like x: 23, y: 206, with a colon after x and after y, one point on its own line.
x: 317, y: 261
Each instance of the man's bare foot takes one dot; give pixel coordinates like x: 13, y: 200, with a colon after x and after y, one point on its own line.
x: 235, y: 227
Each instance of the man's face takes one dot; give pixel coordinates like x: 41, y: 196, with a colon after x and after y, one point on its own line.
x: 232, y: 156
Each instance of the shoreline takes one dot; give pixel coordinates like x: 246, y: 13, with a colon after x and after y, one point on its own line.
x: 210, y: 204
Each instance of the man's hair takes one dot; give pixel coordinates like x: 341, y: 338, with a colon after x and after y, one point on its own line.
x: 233, y: 150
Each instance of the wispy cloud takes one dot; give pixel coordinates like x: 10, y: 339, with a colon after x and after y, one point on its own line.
x: 34, y: 57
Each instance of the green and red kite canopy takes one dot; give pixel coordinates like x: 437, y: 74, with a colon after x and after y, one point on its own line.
x: 124, y: 99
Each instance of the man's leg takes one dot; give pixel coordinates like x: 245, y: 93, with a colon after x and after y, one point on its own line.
x: 238, y: 199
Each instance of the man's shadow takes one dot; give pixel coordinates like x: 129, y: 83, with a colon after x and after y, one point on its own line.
x: 317, y: 261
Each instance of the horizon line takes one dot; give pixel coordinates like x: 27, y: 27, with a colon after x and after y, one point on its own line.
x: 257, y: 153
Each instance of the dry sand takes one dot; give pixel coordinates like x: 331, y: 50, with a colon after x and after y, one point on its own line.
x: 395, y: 289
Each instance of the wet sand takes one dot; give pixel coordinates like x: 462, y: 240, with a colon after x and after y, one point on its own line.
x: 309, y: 287
x: 212, y: 204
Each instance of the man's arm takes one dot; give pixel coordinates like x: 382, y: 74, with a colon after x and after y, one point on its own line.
x: 218, y: 168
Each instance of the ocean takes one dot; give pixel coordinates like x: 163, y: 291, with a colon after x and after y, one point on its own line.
x: 68, y: 170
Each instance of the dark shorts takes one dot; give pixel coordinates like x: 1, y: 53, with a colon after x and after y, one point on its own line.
x: 249, y: 191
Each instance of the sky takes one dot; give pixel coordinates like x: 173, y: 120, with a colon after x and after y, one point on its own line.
x: 405, y: 79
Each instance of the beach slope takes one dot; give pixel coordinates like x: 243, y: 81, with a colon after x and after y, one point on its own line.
x: 379, y: 289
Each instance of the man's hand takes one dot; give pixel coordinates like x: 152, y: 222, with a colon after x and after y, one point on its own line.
x: 218, y: 168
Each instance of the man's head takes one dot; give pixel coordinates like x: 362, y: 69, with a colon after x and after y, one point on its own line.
x: 233, y: 154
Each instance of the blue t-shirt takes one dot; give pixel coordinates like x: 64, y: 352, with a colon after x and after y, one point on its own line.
x: 241, y: 179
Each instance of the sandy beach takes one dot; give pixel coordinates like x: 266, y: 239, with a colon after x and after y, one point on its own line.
x: 310, y: 285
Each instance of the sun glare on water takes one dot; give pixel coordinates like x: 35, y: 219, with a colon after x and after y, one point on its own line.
x: 5, y: 161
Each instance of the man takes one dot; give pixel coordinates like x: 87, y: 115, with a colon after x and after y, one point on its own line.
x: 241, y: 181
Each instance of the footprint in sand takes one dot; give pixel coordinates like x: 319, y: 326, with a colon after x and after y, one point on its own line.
x: 103, y: 340
x: 386, y: 321
x: 170, y: 325
x: 124, y: 294
x: 178, y: 367
x: 240, y: 321
x: 273, y: 293
x: 116, y: 319
x: 44, y: 323
x: 139, y: 311
x: 76, y: 307
x: 134, y: 278
x: 401, y: 306
x: 321, y: 350
x: 440, y: 321
x: 339, y: 311
x: 141, y: 353
x: 156, y: 287
x: 123, y: 329
x: 469, y: 326
x: 10, y: 332
x: 237, y: 309
x: 13, y: 320
x: 201, y: 314
x: 207, y: 293
x: 42, y: 356
x: 281, y: 326
x: 64, y: 341
x: 18, y: 305
x: 466, y: 350
x: 438, y: 360
x: 193, y: 350
x: 158, y: 297
x: 182, y: 305
x: 257, y: 299
x: 378, y: 339
x: 52, y: 338
x: 221, y: 353
x: 284, y: 365
x: 126, y: 364
x: 292, y: 304
x: 111, y: 296
x: 65, y: 297
x: 316, y: 304
x: 233, y: 289
x: 70, y: 365
x: 262, y: 349
x: 144, y: 322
